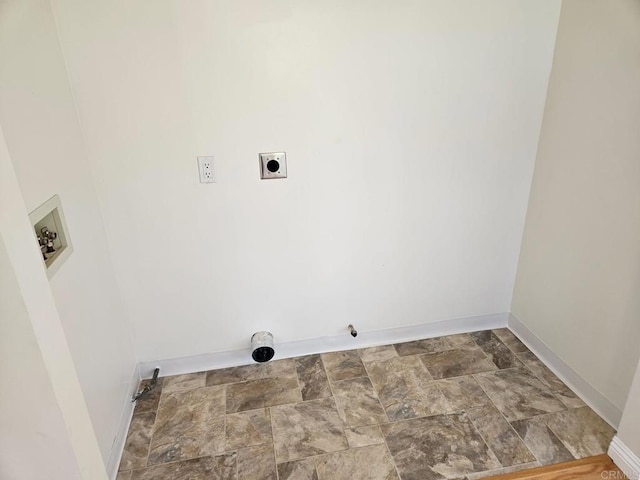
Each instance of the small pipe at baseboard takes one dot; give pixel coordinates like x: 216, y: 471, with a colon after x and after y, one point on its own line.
x: 148, y: 388
x: 352, y: 331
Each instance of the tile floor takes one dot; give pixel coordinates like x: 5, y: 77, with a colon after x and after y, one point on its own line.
x: 456, y: 407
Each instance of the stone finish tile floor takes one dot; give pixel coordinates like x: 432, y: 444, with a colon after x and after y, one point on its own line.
x: 463, y: 406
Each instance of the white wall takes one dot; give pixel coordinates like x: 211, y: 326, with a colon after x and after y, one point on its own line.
x: 44, y: 139
x: 45, y: 428
x: 578, y: 278
x: 629, y: 430
x: 31, y: 424
x: 410, y: 129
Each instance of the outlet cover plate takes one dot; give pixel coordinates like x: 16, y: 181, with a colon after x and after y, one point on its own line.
x: 207, y: 169
x: 273, y: 165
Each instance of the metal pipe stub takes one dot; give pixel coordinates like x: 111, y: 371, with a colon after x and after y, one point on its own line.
x: 262, y: 346
x: 352, y: 331
x: 150, y: 386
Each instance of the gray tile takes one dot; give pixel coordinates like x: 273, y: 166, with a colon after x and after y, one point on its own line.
x: 455, y: 363
x: 459, y: 341
x: 500, y: 437
x: 406, y: 389
x: 502, y: 471
x: 180, y: 383
x: 221, y: 467
x: 366, y: 463
x: 435, y: 345
x: 364, y: 436
x: 236, y: 374
x: 248, y: 428
x: 313, y: 379
x: 189, y: 424
x: 496, y: 350
x: 435, y: 447
x: 306, y: 429
x: 124, y: 475
x: 343, y: 365
x: 265, y: 392
x: 581, y: 430
x: 518, y: 394
x: 462, y: 393
x: 546, y: 446
x: 136, y: 448
x: 459, y: 433
x: 427, y: 345
x: 546, y: 376
x: 357, y: 402
x: 282, y: 368
x: 568, y: 398
x: 376, y: 354
x: 149, y: 401
x: 257, y: 463
x: 300, y: 470
x: 510, y: 340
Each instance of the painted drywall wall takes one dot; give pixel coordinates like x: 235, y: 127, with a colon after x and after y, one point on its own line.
x: 579, y: 273
x: 43, y: 135
x: 31, y: 424
x: 41, y: 384
x: 410, y: 129
x: 629, y: 430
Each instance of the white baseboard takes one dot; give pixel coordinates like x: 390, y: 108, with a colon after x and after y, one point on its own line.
x: 624, y: 458
x: 210, y: 361
x: 592, y: 397
x: 125, y: 420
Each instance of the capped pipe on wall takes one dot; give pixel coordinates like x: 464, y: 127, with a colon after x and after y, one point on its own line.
x: 352, y: 331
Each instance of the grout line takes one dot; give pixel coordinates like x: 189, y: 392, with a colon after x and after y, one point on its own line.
x: 326, y: 373
x: 153, y: 427
x: 273, y: 449
x: 153, y: 431
x: 295, y: 369
x: 475, y: 427
x: 384, y: 439
x: 375, y: 390
x: 393, y: 461
x: 273, y: 439
x: 179, y: 461
x: 318, y: 455
x: 224, y: 424
x: 333, y: 397
x: 439, y: 388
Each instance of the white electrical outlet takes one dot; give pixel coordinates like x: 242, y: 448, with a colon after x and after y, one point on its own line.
x: 206, y: 169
